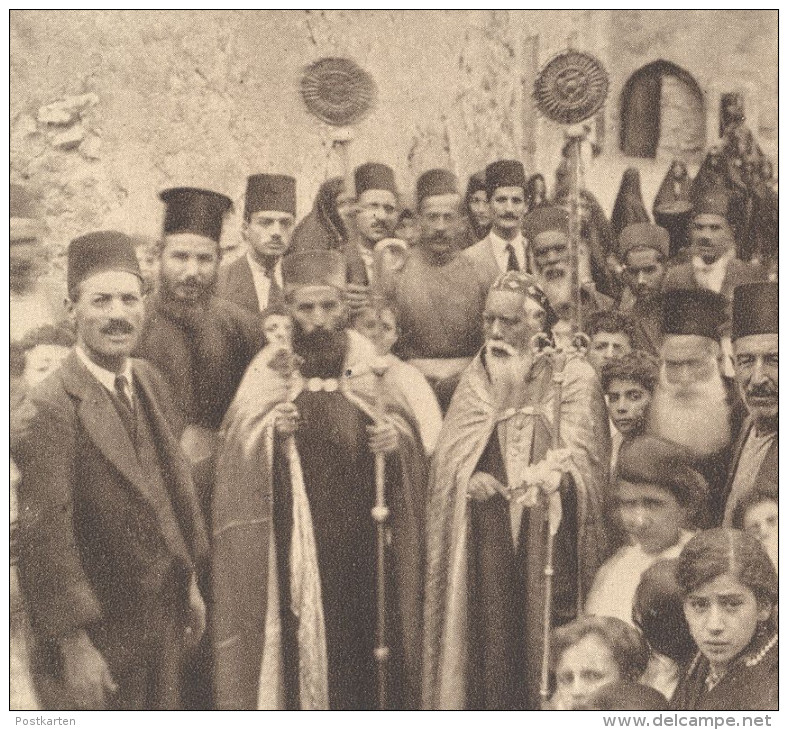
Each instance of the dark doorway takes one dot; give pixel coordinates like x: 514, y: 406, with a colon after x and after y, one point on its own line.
x: 661, y: 107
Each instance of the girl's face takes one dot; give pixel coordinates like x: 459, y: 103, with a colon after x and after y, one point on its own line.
x: 480, y: 210
x: 723, y: 615
x: 278, y: 330
x: 760, y: 521
x: 582, y: 670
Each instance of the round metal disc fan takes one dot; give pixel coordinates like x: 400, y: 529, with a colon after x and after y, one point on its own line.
x: 571, y: 88
x: 338, y: 91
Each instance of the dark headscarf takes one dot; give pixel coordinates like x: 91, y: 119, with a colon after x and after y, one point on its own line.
x: 674, y: 188
x: 322, y: 228
x: 629, y: 207
x: 475, y: 231
x: 530, y: 192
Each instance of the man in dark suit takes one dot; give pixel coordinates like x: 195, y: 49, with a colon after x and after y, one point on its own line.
x: 254, y: 281
x: 503, y: 248
x: 755, y: 349
x: 111, y: 528
x: 714, y: 264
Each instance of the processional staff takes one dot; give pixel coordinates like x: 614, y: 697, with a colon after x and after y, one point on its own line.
x: 340, y: 93
x: 571, y: 88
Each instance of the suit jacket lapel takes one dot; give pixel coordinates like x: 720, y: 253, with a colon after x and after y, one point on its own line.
x: 245, y: 284
x: 102, y: 423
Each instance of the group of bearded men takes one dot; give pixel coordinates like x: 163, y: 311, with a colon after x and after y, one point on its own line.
x: 197, y: 479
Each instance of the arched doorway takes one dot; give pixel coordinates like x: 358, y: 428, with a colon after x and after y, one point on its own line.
x: 662, y: 113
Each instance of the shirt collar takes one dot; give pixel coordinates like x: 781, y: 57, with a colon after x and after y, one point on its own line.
x: 259, y: 268
x: 105, y: 377
x: 502, y: 255
x: 720, y: 264
x: 500, y: 244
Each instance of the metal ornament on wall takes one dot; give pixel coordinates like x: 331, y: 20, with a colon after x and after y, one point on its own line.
x: 338, y: 91
x: 571, y: 87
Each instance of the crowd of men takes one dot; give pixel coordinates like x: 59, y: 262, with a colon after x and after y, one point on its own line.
x: 382, y: 457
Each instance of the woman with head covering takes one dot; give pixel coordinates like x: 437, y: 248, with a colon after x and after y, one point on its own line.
x: 629, y: 207
x: 535, y: 192
x: 673, y: 205
x: 595, y: 231
x: 729, y: 587
x: 476, y: 210
x: 323, y: 227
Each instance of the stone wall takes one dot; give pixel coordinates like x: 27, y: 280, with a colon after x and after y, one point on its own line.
x: 109, y: 107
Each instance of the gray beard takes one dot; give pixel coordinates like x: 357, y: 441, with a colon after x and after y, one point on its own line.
x: 507, y: 378
x: 698, y: 419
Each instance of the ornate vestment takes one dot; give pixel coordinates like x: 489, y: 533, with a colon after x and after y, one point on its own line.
x: 524, y: 437
x: 254, y: 468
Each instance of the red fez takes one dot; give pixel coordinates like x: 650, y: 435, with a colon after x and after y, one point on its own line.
x: 314, y: 268
x: 713, y: 202
x: 644, y: 235
x: 270, y: 192
x: 545, y: 218
x: 694, y: 312
x: 193, y: 210
x: 435, y: 182
x: 504, y: 174
x: 374, y: 176
x: 648, y: 459
x: 756, y: 309
x: 101, y: 251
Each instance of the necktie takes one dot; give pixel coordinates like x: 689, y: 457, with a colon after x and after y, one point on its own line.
x: 512, y: 264
x: 124, y: 403
x: 274, y: 290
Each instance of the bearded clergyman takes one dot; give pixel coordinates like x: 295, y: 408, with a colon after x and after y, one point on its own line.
x: 525, y: 439
x: 693, y: 401
x: 294, y: 562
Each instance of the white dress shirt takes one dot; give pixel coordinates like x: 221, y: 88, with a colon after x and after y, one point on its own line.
x: 711, y: 276
x: 107, y: 377
x: 262, y: 284
x: 501, y: 253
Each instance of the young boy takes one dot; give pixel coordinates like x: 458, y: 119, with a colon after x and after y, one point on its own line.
x: 612, y: 334
x: 657, y: 493
x: 628, y: 384
x: 378, y: 323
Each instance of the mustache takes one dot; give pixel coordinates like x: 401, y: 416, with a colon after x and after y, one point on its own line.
x: 767, y: 390
x: 118, y: 327
x: 491, y: 345
x: 509, y: 217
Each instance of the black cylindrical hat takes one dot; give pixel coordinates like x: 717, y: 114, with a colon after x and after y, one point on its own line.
x: 194, y: 210
x: 101, y: 251
x: 504, y: 174
x: 270, y: 192
x: 756, y: 309
x: 694, y: 312
x: 435, y: 182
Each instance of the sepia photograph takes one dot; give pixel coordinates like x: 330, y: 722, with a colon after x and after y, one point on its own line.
x: 394, y: 360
